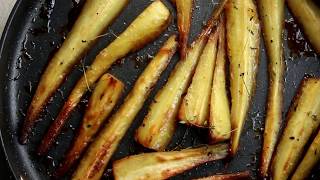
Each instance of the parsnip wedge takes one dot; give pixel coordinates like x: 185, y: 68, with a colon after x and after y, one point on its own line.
x: 303, y: 120
x: 219, y: 119
x: 308, y: 15
x: 103, y: 99
x: 194, y: 109
x: 184, y: 13
x: 95, y: 16
x: 310, y: 160
x: 158, y: 126
x: 235, y: 176
x: 98, y: 155
x: 145, y: 28
x: 272, y: 16
x: 162, y: 165
x: 243, y: 43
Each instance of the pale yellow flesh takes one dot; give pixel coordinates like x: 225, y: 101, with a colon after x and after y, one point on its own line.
x: 184, y: 13
x: 159, y: 124
x: 272, y: 16
x: 95, y: 16
x: 102, y: 101
x: 145, y: 28
x: 194, y: 109
x: 219, y: 120
x: 308, y: 15
x: 243, y: 43
x: 302, y: 121
x: 162, y: 165
x: 235, y: 176
x: 99, y: 153
x: 310, y: 160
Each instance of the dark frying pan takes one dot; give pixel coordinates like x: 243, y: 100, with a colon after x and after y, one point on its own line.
x: 35, y: 30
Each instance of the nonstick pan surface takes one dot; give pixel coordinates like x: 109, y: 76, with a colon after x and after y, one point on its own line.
x: 36, y: 29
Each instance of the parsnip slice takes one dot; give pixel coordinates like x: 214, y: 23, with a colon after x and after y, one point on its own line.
x: 310, y: 160
x: 219, y: 120
x: 184, y: 13
x: 303, y: 120
x: 145, y: 28
x: 95, y: 16
x: 235, y: 176
x: 194, y: 109
x: 243, y: 43
x: 308, y: 15
x: 162, y: 165
x: 103, y: 99
x: 272, y: 16
x: 158, y: 126
x: 100, y: 151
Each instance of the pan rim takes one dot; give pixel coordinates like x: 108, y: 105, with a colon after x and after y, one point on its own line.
x: 3, y: 40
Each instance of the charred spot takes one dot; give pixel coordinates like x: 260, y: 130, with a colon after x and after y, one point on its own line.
x: 100, y: 159
x: 271, y: 41
x: 314, y: 117
x: 101, y: 97
x: 112, y: 82
x: 61, y: 63
x: 89, y: 125
x: 292, y: 138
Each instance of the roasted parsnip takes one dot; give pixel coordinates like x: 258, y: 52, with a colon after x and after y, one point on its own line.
x: 311, y: 158
x: 219, y: 119
x: 184, y: 13
x: 98, y: 155
x: 158, y: 126
x: 103, y: 99
x: 272, y: 16
x: 303, y: 120
x: 243, y: 43
x: 95, y: 16
x: 194, y: 109
x: 145, y: 28
x: 235, y: 176
x: 308, y: 15
x: 162, y: 165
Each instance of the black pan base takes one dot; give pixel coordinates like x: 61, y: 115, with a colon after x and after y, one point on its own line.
x: 37, y: 28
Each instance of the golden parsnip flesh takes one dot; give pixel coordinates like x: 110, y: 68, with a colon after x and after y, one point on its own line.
x: 95, y: 16
x: 194, y: 109
x: 163, y: 165
x: 243, y: 47
x: 219, y: 119
x: 303, y: 119
x: 308, y: 15
x: 102, y: 101
x: 145, y: 28
x: 100, y: 151
x: 184, y: 13
x: 159, y: 124
x: 309, y: 161
x: 272, y: 16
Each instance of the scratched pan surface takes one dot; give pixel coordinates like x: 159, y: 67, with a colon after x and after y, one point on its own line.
x: 37, y: 28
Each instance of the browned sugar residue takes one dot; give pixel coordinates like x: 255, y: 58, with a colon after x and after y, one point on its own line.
x: 298, y: 45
